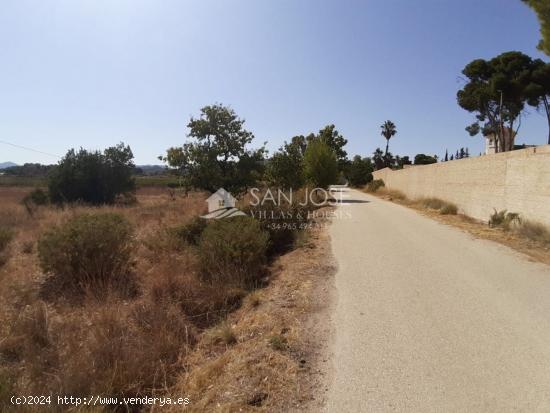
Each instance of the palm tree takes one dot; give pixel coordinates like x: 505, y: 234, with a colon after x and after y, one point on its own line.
x: 388, y: 130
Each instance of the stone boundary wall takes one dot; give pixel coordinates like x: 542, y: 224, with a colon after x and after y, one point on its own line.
x: 518, y: 181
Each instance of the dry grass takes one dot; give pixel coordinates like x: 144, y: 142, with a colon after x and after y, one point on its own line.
x: 444, y: 207
x: 535, y: 232
x: 374, y: 186
x: 527, y: 237
x: 261, y: 373
x: 113, y: 346
x: 180, y: 335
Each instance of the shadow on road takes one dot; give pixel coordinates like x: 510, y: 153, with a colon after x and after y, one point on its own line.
x: 351, y: 201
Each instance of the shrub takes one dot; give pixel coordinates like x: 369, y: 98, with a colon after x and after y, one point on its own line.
x: 448, y: 209
x: 6, y: 235
x: 534, y: 231
x: 433, y: 203
x: 444, y: 207
x: 282, y: 220
x: 93, y: 177
x: 375, y: 185
x: 91, y: 250
x: 34, y: 199
x: 504, y: 219
x: 278, y: 342
x: 395, y: 194
x: 190, y: 233
x: 232, y: 251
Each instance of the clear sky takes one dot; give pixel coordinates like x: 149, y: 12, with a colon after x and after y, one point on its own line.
x: 94, y: 72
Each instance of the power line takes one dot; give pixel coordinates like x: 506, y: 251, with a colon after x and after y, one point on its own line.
x: 29, y: 149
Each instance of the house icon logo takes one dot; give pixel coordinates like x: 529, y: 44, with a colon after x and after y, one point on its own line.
x: 221, y: 204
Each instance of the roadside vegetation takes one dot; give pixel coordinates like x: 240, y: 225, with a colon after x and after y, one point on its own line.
x: 509, y: 228
x: 117, y: 291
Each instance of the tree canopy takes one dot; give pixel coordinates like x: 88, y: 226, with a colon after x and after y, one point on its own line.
x: 320, y: 164
x: 542, y: 9
x: 359, y: 171
x: 388, y: 131
x: 496, y: 92
x: 285, y: 169
x: 336, y: 142
x: 537, y: 90
x: 92, y: 176
x: 422, y: 159
x: 217, y: 155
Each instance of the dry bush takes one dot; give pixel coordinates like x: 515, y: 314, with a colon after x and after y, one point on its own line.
x: 449, y: 209
x: 109, y: 349
x: 190, y: 233
x: 284, y: 220
x: 534, y: 231
x: 504, y: 220
x: 511, y: 221
x: 90, y: 252
x: 374, y: 185
x: 203, y: 303
x: 432, y: 203
x: 120, y: 345
x: 35, y: 199
x: 394, y: 194
x: 6, y: 235
x: 444, y: 207
x: 232, y: 252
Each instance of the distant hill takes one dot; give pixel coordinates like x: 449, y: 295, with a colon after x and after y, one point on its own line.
x: 150, y: 169
x: 4, y: 165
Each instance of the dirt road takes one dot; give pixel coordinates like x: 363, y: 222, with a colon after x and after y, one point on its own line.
x: 429, y: 319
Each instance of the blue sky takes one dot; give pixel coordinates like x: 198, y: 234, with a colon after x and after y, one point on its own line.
x: 94, y: 72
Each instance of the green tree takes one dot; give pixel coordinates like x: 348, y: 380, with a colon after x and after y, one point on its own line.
x: 320, y: 164
x: 542, y: 9
x: 336, y: 142
x: 422, y: 159
x: 538, y: 89
x: 388, y: 131
x: 496, y: 92
x: 359, y: 172
x: 286, y: 167
x: 378, y: 159
x: 217, y: 154
x: 93, y: 177
x: 402, y: 161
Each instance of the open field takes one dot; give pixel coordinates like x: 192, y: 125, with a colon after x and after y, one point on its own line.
x: 36, y: 182
x: 178, y: 335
